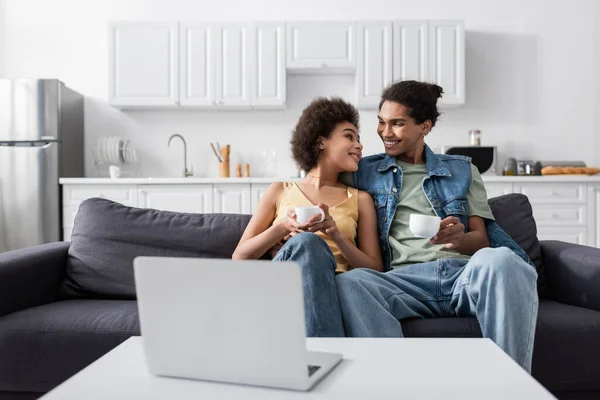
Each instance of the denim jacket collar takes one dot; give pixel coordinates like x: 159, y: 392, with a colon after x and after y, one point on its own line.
x: 434, y: 165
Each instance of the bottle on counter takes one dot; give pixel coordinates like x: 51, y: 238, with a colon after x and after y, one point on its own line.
x: 475, y: 137
x: 510, y: 167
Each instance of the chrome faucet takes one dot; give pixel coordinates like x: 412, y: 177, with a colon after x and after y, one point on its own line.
x: 186, y: 172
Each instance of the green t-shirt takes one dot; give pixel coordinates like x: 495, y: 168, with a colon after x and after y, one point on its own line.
x: 408, y: 249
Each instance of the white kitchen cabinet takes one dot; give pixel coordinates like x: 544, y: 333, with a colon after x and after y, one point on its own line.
x: 184, y: 198
x: 232, y: 66
x: 323, y: 46
x: 447, y: 60
x: 258, y: 190
x: 560, y: 214
x: 374, y: 62
x: 197, y: 65
x: 143, y: 59
x: 495, y: 189
x: 267, y: 65
x: 560, y: 209
x: 594, y: 220
x: 577, y: 235
x: 553, y: 193
x: 74, y: 195
x: 231, y: 198
x: 411, y: 58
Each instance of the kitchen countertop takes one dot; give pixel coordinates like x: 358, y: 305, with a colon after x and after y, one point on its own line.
x: 208, y: 180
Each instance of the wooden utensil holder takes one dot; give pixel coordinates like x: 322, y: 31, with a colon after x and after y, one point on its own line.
x: 224, y: 169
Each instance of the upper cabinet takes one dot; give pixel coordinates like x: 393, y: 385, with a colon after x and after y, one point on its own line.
x: 237, y: 66
x: 447, y: 59
x: 221, y: 66
x: 374, y: 63
x: 143, y: 64
x: 197, y: 65
x: 232, y: 72
x: 430, y: 51
x: 410, y: 50
x: 323, y: 46
x: 267, y: 65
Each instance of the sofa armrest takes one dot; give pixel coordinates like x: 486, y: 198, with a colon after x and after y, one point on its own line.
x: 30, y: 277
x: 573, y: 273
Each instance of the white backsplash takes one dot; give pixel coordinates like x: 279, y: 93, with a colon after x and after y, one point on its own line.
x: 251, y: 132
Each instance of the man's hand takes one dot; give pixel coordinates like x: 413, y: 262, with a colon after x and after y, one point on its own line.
x: 450, y: 234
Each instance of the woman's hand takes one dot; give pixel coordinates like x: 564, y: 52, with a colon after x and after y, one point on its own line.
x: 275, y: 249
x: 289, y: 226
x: 328, y: 225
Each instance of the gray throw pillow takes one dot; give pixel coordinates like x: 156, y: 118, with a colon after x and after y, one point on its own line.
x: 107, y: 236
x: 514, y: 214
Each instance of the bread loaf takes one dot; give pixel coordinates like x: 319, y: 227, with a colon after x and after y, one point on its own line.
x: 569, y: 170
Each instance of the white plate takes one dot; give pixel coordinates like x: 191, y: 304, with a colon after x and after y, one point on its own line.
x: 114, y: 150
x: 102, y: 150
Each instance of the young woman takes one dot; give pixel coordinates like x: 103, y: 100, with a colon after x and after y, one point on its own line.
x: 325, y: 143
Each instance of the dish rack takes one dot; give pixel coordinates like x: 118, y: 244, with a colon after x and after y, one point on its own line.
x: 115, y: 150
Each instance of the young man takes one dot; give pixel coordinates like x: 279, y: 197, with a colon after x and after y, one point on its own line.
x: 470, y: 268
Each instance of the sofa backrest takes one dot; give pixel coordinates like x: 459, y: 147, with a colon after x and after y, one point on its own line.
x: 107, y: 236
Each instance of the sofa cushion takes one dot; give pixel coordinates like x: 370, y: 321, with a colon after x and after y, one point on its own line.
x: 514, y: 214
x: 45, y: 345
x: 566, y: 354
x: 107, y: 236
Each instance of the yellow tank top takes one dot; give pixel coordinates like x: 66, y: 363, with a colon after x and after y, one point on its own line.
x: 344, y: 214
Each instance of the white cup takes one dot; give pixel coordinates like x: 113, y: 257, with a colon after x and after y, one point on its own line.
x: 114, y: 171
x: 303, y: 214
x: 424, y: 226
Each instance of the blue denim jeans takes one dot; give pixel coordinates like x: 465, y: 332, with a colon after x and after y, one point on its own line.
x: 323, y: 317
x: 495, y: 285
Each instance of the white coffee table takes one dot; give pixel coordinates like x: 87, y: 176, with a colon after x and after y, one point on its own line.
x: 372, y: 369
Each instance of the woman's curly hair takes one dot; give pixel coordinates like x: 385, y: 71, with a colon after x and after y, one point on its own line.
x: 419, y: 97
x: 318, y: 120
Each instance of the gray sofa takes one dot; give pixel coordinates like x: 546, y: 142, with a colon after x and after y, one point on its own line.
x: 63, y: 305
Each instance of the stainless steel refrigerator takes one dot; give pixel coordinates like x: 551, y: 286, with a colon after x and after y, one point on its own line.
x: 41, y: 140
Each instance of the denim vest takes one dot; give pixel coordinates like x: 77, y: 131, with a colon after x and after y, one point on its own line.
x: 445, y: 185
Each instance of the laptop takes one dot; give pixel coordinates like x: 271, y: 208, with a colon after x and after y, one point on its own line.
x: 227, y: 321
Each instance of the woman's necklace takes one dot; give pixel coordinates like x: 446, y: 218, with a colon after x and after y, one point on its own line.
x: 321, y: 178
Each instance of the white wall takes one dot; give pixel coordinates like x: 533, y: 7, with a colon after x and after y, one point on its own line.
x: 2, y: 44
x: 531, y: 75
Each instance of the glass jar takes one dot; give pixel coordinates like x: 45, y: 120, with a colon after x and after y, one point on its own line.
x: 507, y: 169
x: 525, y: 166
x: 475, y: 136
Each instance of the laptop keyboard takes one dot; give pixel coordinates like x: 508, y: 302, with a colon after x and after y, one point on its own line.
x: 312, y: 369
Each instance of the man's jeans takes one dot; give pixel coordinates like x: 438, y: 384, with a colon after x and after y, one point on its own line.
x: 323, y: 317
x: 495, y: 285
